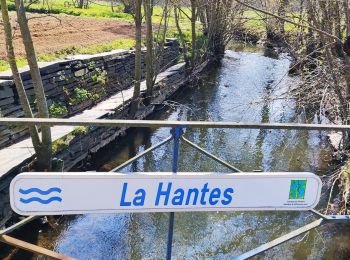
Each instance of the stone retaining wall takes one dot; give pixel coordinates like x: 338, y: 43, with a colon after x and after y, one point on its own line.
x: 76, y: 84
x: 80, y: 146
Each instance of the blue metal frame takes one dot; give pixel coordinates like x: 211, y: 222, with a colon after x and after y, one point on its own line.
x: 176, y: 134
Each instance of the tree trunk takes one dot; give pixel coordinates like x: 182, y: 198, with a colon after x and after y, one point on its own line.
x: 16, y: 76
x: 129, y: 6
x: 181, y: 35
x: 45, y: 154
x: 149, y: 54
x: 160, y: 39
x: 282, y: 12
x: 112, y: 6
x: 217, y: 29
x: 203, y: 19
x: 137, y: 81
x: 81, y: 4
x: 193, y: 31
x: 329, y: 59
x: 346, y: 4
x: 338, y: 28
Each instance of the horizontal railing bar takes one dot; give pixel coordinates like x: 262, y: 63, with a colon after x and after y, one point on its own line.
x: 150, y: 149
x: 215, y: 158
x: 17, y: 225
x: 332, y: 218
x: 33, y: 248
x: 280, y: 240
x: 159, y: 123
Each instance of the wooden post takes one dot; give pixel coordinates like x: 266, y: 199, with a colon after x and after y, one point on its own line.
x: 33, y: 248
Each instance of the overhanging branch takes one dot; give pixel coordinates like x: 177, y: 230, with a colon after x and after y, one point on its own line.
x: 289, y: 21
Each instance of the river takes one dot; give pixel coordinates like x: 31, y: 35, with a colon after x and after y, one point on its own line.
x: 250, y: 86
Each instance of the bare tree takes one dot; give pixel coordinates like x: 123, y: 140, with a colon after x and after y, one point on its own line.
x: 150, y: 50
x: 181, y: 35
x: 44, y: 154
x: 129, y: 6
x: 137, y: 79
x: 193, y: 32
x: 42, y: 150
x: 220, y: 16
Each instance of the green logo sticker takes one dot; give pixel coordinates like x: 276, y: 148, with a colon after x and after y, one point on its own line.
x: 297, y: 189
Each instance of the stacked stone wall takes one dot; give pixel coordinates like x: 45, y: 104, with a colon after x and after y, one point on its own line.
x: 74, y: 85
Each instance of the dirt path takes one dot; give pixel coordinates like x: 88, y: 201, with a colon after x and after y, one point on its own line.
x: 54, y: 33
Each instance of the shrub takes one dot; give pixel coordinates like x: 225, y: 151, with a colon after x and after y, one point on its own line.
x: 80, y: 95
x: 100, y: 77
x: 57, y: 110
x: 59, y: 144
x: 80, y: 130
x: 96, y: 96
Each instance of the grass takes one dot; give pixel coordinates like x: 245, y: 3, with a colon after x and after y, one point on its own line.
x: 93, y: 49
x: 97, y: 10
x: 21, y: 62
x: 109, y: 46
x: 255, y: 22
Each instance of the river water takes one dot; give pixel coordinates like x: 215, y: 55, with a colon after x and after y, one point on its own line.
x: 250, y: 86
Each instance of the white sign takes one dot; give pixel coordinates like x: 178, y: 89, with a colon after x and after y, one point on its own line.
x: 81, y: 193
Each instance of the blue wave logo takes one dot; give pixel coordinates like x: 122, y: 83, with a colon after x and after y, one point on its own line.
x: 41, y: 192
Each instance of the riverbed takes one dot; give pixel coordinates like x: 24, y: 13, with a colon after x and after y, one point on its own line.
x: 249, y: 86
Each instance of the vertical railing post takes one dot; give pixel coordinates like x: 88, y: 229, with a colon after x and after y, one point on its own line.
x: 176, y: 133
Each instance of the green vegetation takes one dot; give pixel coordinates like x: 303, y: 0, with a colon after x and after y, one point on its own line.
x: 98, y: 92
x: 108, y: 46
x: 100, y: 77
x: 80, y: 95
x: 255, y: 22
x: 93, y: 49
x: 63, y: 143
x: 21, y: 62
x: 3, y: 65
x: 57, y: 110
x: 80, y: 130
x: 97, y: 10
x: 59, y: 144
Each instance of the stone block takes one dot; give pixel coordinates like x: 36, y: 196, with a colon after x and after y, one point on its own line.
x: 7, y: 83
x: 10, y: 109
x: 50, y: 69
x: 81, y: 72
x: 49, y: 86
x: 17, y: 113
x: 6, y: 92
x: 4, y: 141
x: 52, y: 92
x: 6, y: 101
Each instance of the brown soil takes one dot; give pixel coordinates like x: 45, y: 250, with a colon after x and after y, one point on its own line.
x: 54, y: 33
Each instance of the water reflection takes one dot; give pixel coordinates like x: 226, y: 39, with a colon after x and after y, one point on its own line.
x: 246, y: 88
